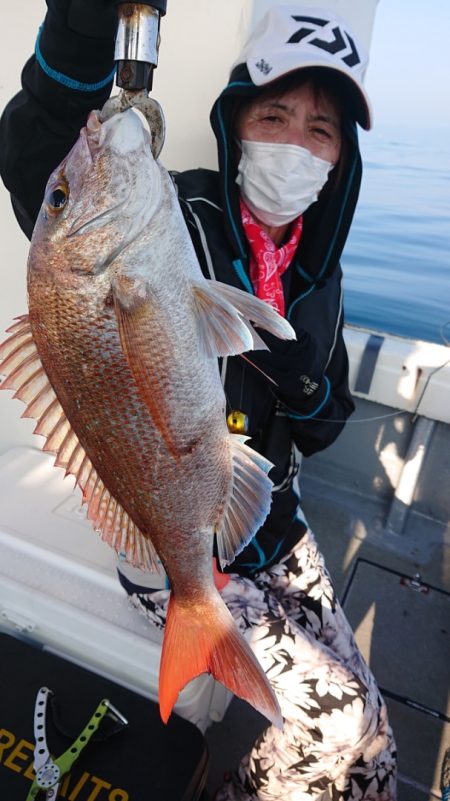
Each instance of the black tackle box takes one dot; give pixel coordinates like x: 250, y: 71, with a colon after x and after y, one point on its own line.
x: 144, y: 761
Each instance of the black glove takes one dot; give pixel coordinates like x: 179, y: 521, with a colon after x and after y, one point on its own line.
x: 293, y: 364
x: 93, y: 18
x: 76, y: 41
x: 160, y: 5
x: 98, y: 18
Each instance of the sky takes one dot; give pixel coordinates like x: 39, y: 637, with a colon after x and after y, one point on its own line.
x: 408, y: 78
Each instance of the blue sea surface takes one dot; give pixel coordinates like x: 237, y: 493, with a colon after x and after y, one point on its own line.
x: 397, y: 258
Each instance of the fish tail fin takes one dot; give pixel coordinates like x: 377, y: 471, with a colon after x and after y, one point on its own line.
x: 205, y: 639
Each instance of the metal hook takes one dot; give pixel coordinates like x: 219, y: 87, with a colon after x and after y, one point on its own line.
x: 149, y: 107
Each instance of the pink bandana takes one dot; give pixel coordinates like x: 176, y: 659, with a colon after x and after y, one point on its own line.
x: 267, y: 262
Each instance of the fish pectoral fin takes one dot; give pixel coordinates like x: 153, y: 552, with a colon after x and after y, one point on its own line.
x: 249, y: 500
x: 225, y: 315
x: 204, y: 638
x: 21, y: 364
x: 136, y: 312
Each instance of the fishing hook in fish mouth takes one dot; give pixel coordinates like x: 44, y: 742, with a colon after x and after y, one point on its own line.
x: 149, y: 107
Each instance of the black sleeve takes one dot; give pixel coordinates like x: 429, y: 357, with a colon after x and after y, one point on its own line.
x: 69, y: 75
x: 322, y: 417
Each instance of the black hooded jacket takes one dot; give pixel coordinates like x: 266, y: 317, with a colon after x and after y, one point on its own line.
x: 37, y: 129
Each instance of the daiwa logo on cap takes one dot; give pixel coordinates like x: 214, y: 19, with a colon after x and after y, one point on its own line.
x: 339, y: 44
x: 294, y: 37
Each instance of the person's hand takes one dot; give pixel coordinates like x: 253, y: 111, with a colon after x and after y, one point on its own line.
x: 292, y: 364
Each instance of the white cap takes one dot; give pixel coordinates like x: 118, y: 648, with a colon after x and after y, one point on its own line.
x: 294, y: 37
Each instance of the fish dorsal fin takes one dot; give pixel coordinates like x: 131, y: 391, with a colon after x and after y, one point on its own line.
x: 249, y: 501
x: 224, y: 314
x: 22, y: 366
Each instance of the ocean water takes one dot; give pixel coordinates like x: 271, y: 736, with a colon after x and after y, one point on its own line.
x: 397, y: 258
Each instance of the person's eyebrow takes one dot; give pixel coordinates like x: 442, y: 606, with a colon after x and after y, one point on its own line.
x: 277, y: 104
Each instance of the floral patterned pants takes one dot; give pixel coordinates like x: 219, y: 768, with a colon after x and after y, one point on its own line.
x: 336, y: 742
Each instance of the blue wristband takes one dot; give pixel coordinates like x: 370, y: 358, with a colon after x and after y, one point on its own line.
x: 65, y: 80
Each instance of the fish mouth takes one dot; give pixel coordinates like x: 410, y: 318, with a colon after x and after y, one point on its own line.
x: 138, y: 210
x: 93, y: 132
x: 93, y: 135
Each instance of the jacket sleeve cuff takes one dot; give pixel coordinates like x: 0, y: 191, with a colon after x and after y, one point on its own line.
x: 306, y: 409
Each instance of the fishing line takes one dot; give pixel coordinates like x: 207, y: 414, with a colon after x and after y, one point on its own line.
x: 433, y: 372
x: 241, y: 393
x: 362, y: 419
x: 414, y: 412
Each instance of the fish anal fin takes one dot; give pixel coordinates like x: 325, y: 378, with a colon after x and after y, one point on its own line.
x: 205, y: 639
x: 225, y: 315
x: 26, y: 375
x: 249, y: 500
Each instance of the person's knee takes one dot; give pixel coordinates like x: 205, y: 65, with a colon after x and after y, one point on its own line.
x: 352, y: 727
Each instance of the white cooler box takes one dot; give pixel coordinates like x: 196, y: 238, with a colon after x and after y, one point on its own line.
x: 59, y: 587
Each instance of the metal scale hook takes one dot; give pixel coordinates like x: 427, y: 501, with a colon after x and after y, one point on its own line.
x: 136, y: 56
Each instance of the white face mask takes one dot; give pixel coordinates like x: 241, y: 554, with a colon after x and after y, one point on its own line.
x: 278, y: 181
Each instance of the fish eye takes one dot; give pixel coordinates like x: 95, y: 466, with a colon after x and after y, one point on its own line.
x: 57, y: 197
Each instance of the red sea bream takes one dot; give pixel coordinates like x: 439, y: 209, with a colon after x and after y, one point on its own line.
x: 117, y: 361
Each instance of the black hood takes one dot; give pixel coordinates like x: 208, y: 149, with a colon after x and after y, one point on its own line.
x: 325, y: 224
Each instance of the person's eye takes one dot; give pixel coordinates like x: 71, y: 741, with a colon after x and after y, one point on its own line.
x: 272, y: 119
x: 324, y: 133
